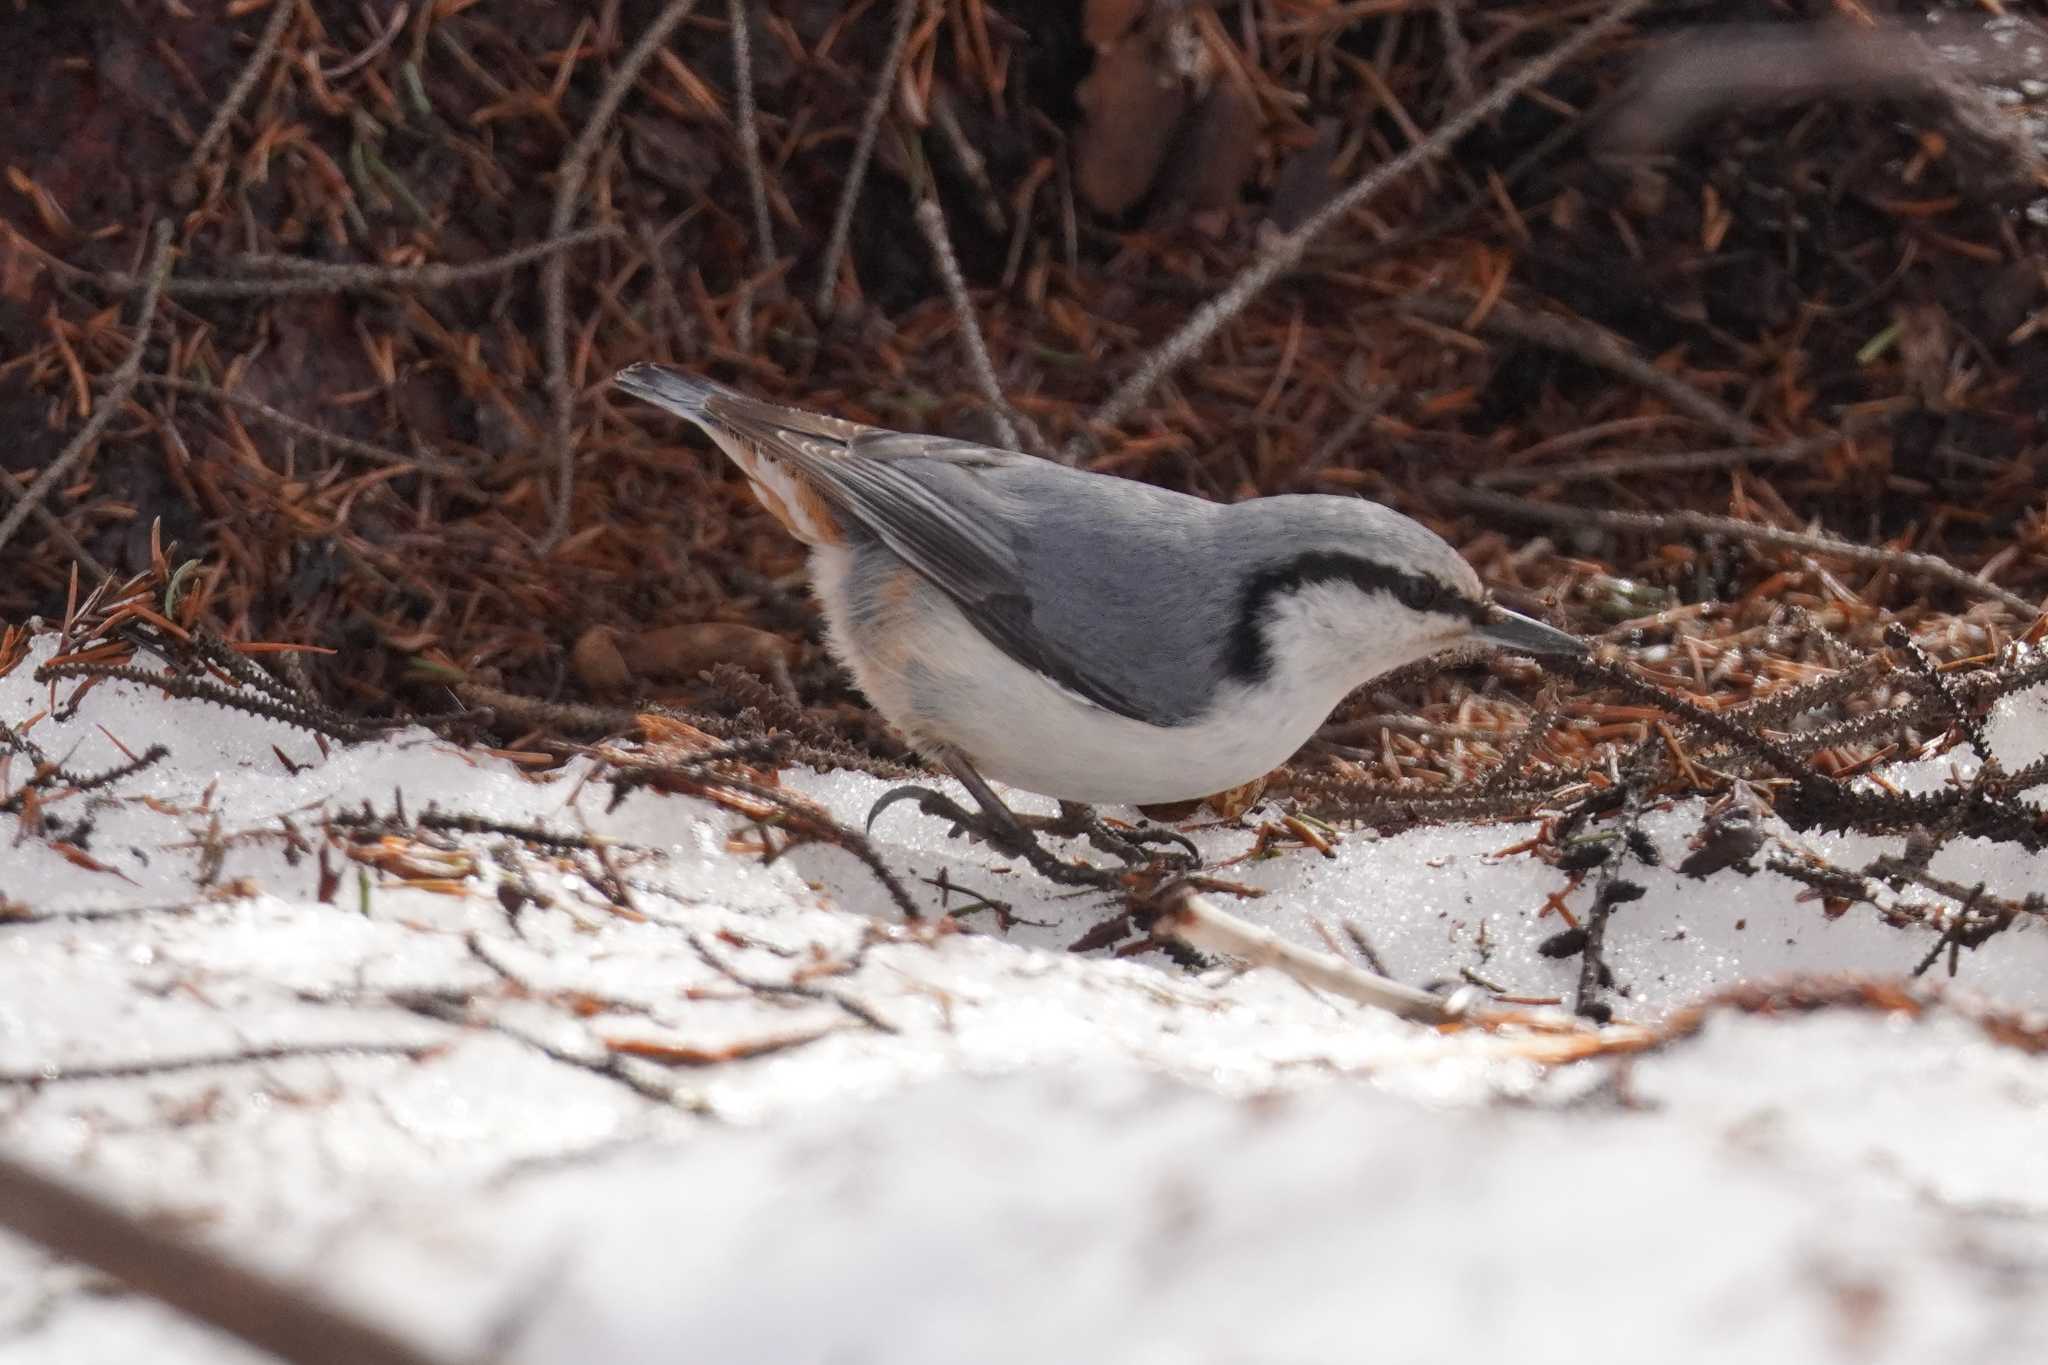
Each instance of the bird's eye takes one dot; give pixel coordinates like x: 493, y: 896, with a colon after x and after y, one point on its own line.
x: 1418, y: 593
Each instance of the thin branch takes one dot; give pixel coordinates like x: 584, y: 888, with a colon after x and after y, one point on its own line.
x: 279, y: 1319
x: 1583, y: 341
x: 1678, y: 462
x: 569, y: 182
x: 1457, y: 52
x: 1010, y: 424
x: 1610, y: 890
x: 328, y: 277
x: 109, y: 402
x: 58, y: 531
x: 238, y: 94
x: 284, y: 421
x: 1197, y: 922
x: 863, y: 149
x: 1286, y: 251
x: 1906, y: 562
x: 750, y: 158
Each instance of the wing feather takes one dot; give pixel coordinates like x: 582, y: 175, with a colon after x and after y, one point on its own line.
x: 962, y: 545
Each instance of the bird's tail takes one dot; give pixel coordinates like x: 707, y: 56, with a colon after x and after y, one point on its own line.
x: 682, y: 394
x: 771, y: 444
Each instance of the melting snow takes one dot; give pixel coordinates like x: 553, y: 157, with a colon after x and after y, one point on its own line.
x: 509, y: 1101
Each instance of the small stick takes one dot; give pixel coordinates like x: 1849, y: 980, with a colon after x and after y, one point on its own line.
x: 1603, y: 349
x: 750, y: 157
x: 1286, y: 251
x: 110, y: 402
x: 1457, y: 52
x: 1199, y: 924
x: 431, y: 464
x: 931, y: 220
x: 58, y: 531
x: 329, y: 277
x: 274, y: 1317
x: 569, y: 183
x: 1679, y: 462
x: 863, y: 149
x: 281, y: 12
x: 972, y: 163
x: 1907, y: 562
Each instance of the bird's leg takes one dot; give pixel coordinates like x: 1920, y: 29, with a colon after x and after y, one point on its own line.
x: 997, y: 824
x: 1076, y: 819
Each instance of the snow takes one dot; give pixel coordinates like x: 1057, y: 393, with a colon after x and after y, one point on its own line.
x: 754, y: 1113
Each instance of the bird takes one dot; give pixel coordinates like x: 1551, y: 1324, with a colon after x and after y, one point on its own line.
x: 1083, y: 636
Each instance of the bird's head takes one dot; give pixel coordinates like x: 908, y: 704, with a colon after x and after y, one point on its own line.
x: 1341, y: 590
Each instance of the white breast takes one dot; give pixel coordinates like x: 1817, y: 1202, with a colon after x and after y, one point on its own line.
x: 940, y: 682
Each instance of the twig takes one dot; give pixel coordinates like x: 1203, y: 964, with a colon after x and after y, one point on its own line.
x: 378, y: 42
x: 800, y: 989
x: 1904, y: 562
x: 1728, y: 728
x: 1457, y: 52
x: 305, y: 716
x: 569, y: 183
x: 1010, y: 424
x: 329, y: 277
x: 1286, y: 251
x: 1583, y: 341
x: 1519, y: 753
x: 972, y: 163
x: 574, y: 718
x: 109, y: 402
x: 281, y: 12
x: 750, y: 157
x: 1610, y: 889
x: 348, y: 445
x: 1678, y: 462
x: 1198, y: 923
x: 274, y: 1317
x: 58, y: 531
x: 1369, y: 405
x: 863, y: 149
x: 1702, y: 524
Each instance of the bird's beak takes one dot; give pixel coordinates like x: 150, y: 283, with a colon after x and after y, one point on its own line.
x: 1506, y: 629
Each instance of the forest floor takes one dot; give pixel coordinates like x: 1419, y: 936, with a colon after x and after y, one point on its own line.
x: 1713, y: 332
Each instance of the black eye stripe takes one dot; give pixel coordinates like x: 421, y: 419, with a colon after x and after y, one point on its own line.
x: 1248, y: 658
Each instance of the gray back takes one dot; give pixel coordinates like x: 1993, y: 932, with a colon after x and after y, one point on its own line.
x: 1131, y: 593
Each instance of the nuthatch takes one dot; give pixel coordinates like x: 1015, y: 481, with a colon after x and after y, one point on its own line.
x: 1080, y: 635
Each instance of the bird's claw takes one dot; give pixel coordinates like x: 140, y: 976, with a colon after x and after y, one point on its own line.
x: 929, y: 801
x: 1129, y: 844
x: 1001, y: 832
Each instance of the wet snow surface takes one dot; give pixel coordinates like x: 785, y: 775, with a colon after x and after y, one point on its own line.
x: 751, y: 1117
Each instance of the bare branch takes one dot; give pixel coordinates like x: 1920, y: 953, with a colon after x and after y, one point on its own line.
x: 1583, y: 341
x: 1283, y: 253
x: 284, y: 421
x: 569, y: 182
x: 274, y: 1317
x: 300, y: 276
x: 863, y: 149
x: 750, y: 158
x: 281, y: 12
x: 1906, y: 562
x: 1197, y: 922
x: 1011, y: 425
x: 109, y: 402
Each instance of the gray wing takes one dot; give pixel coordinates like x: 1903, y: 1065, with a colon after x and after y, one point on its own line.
x: 930, y: 501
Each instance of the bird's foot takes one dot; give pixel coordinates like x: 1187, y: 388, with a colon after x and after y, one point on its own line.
x: 1127, y: 842
x: 999, y: 829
